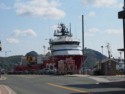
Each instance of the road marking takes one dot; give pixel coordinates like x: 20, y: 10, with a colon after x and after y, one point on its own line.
x: 7, y: 89
x: 68, y: 88
x: 0, y: 92
x: 10, y: 91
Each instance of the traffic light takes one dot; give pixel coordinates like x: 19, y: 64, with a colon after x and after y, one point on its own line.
x: 0, y: 46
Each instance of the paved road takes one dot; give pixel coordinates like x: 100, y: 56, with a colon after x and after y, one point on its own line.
x: 48, y: 84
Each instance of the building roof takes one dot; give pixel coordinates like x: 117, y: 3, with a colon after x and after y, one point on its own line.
x: 121, y: 49
x: 105, y: 60
x: 32, y: 53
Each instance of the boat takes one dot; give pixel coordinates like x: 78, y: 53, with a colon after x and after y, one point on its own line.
x: 66, y: 53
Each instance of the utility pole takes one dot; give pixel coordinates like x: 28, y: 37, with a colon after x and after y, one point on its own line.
x: 83, y: 34
x: 121, y: 15
x: 83, y: 41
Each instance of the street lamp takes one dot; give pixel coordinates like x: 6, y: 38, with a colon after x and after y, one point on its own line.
x: 44, y: 48
x: 101, y: 57
x: 102, y: 49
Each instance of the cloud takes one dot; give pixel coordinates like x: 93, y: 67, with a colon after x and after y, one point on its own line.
x: 12, y: 40
x: 92, y: 32
x: 20, y: 33
x: 88, y: 34
x: 23, y: 33
x: 102, y: 3
x: 95, y: 32
x: 114, y: 31
x: 54, y: 27
x: 4, y: 7
x: 91, y: 14
x: 39, y: 8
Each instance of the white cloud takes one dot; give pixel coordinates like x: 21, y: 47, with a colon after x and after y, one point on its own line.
x: 91, y: 14
x: 28, y: 32
x: 39, y: 8
x: 4, y: 7
x: 114, y: 31
x: 92, y: 32
x: 12, y: 40
x: 102, y: 3
x: 54, y: 27
x: 95, y: 32
x: 88, y: 34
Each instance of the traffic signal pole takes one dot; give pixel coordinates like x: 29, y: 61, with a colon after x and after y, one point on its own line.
x: 121, y: 15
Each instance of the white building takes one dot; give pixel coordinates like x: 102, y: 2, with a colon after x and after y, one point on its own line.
x: 120, y: 65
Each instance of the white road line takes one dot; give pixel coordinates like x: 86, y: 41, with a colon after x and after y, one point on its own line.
x: 0, y: 92
x: 7, y: 89
x: 10, y: 90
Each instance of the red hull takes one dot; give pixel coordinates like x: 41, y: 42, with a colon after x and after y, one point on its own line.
x: 79, y: 60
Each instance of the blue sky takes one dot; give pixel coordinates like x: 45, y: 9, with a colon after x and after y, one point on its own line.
x: 26, y: 25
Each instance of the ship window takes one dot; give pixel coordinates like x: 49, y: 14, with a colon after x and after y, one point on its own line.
x: 64, y: 43
x: 51, y: 67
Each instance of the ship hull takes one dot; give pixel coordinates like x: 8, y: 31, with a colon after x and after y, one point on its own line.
x: 76, y: 60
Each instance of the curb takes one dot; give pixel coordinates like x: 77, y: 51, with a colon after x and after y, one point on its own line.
x: 9, y: 90
x: 77, y: 75
x: 3, y: 78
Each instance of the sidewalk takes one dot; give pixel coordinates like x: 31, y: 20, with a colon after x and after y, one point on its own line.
x: 105, y: 78
x: 5, y: 89
x: 2, y: 78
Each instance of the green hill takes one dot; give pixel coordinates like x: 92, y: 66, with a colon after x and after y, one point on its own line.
x: 93, y: 57
x: 9, y: 62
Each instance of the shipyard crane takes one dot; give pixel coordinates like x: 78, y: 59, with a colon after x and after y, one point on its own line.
x: 109, y: 50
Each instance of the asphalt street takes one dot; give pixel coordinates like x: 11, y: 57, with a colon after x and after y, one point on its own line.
x: 50, y: 84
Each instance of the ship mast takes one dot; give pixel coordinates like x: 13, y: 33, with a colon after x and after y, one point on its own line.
x: 62, y: 31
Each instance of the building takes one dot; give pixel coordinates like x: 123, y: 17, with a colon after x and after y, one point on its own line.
x: 120, y: 65
x: 108, y: 67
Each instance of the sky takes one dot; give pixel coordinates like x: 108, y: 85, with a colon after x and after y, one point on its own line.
x: 27, y: 25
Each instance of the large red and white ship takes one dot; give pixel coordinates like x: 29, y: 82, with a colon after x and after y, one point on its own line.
x: 66, y: 53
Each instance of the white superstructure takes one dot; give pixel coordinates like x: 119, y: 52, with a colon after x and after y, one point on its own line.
x: 64, y: 44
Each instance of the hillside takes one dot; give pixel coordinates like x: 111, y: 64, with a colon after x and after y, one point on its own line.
x: 92, y: 58
x: 9, y: 62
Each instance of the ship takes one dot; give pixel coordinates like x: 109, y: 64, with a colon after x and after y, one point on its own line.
x: 66, y: 56
x: 66, y: 52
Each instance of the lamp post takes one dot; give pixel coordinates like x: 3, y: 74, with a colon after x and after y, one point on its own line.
x: 101, y: 58
x: 102, y: 49
x: 44, y: 48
